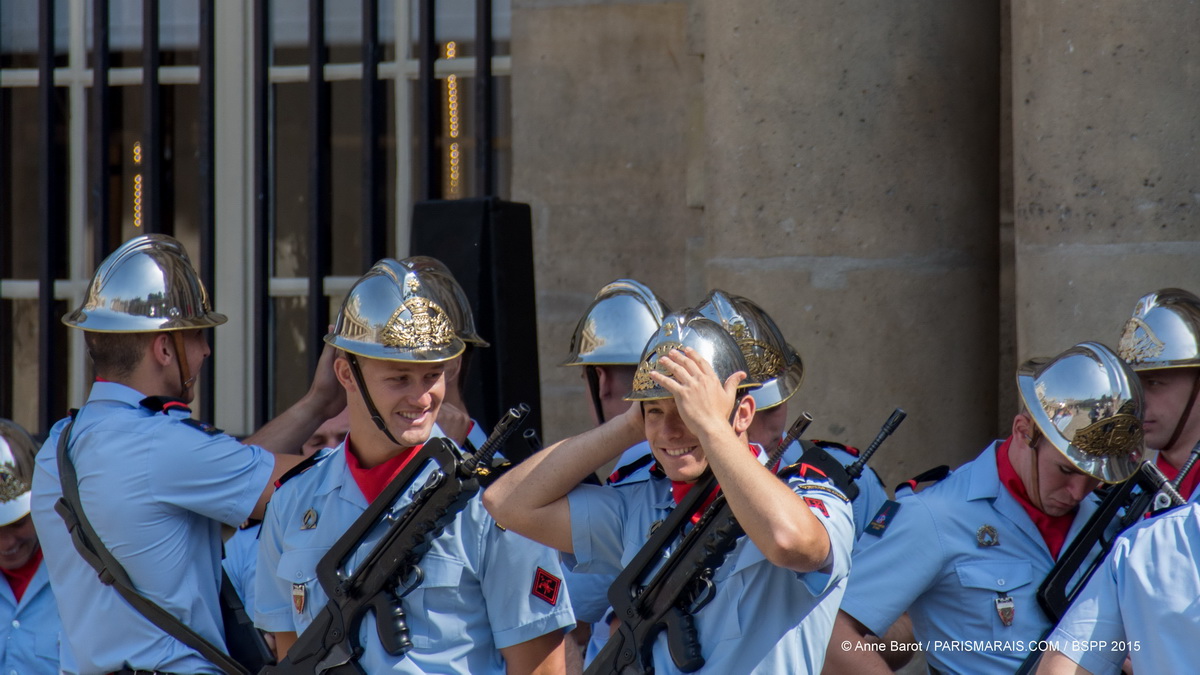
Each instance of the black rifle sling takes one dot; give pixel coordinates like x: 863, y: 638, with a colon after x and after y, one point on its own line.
x: 92, y: 549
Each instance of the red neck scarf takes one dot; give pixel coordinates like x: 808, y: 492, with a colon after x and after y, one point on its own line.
x: 18, y: 579
x: 1053, y: 528
x: 372, y: 481
x: 1189, y: 483
x: 680, y: 489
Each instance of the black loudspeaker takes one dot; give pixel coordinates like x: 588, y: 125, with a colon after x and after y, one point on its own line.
x: 488, y: 245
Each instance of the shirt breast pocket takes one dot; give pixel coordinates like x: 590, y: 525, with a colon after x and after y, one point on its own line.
x: 438, y: 608
x: 986, y: 582
x: 298, y: 569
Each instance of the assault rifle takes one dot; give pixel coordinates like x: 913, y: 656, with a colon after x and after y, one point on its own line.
x: 683, y: 583
x: 392, y: 568
x: 1124, y: 505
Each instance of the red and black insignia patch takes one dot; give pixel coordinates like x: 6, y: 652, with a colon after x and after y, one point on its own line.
x: 546, y: 586
x: 814, y: 503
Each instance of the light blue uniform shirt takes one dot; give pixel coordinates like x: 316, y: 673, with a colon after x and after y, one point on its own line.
x: 1142, y: 600
x: 241, y: 559
x: 29, y: 630
x: 763, y: 618
x: 871, y: 494
x: 634, y: 454
x: 477, y: 595
x: 930, y: 561
x: 156, y: 490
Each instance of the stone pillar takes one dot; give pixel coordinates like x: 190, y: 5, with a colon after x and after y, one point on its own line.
x: 851, y: 189
x: 603, y: 101
x: 1107, y: 173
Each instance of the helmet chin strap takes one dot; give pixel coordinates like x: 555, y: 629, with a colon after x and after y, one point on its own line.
x: 1187, y: 411
x: 366, y: 396
x: 593, y: 383
x: 1035, y: 494
x: 186, y: 378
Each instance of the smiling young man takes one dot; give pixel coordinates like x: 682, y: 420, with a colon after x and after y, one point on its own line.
x: 30, y: 629
x: 1161, y: 342
x: 777, y: 591
x: 156, y: 484
x: 965, y: 556
x: 478, y: 607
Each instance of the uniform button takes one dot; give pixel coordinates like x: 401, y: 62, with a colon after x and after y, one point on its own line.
x: 16, y: 624
x: 299, y: 575
x: 1000, y: 582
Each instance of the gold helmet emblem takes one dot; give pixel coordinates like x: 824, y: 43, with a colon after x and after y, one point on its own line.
x: 418, y: 324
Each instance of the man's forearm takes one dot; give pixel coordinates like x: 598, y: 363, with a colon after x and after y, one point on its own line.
x: 530, y: 498
x: 774, y: 517
x: 851, y: 651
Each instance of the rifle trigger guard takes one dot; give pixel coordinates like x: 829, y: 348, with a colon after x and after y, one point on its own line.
x: 706, y: 592
x: 410, y: 581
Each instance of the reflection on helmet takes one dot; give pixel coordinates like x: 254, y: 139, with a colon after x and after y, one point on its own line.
x: 688, y: 329
x: 443, y: 287
x: 771, y: 359
x: 391, y: 313
x: 146, y: 285
x: 616, y: 325
x: 1089, y: 404
x: 1164, y: 331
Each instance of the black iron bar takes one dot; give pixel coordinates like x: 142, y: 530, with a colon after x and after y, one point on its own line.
x: 208, y: 190
x: 103, y: 239
x: 264, y: 190
x: 152, y: 142
x: 52, y: 225
x: 485, y: 120
x: 428, y: 106
x: 319, y: 183
x: 374, y: 233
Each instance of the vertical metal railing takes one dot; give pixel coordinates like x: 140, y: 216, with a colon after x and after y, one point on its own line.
x: 374, y: 241
x: 261, y: 398
x: 103, y: 235
x: 153, y: 187
x: 320, y: 184
x: 485, y: 117
x: 6, y: 241
x: 208, y: 187
x: 52, y: 233
x: 428, y: 104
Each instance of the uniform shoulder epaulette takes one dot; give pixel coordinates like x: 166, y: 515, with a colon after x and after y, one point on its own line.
x: 629, y: 469
x: 933, y: 475
x: 164, y: 404
x: 304, y: 465
x: 834, y: 445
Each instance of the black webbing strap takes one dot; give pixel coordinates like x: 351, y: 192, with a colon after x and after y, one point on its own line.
x: 111, y: 573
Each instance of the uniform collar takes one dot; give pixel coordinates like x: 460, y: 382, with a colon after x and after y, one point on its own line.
x: 114, y: 391
x: 39, y: 581
x: 985, y: 479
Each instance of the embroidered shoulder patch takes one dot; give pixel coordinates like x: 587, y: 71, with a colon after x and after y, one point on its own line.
x: 814, y: 503
x: 202, y: 426
x: 546, y: 586
x: 883, y: 518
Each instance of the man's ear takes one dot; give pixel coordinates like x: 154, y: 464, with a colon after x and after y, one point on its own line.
x: 1022, y: 429
x: 743, y: 414
x: 162, y: 349
x: 341, y: 369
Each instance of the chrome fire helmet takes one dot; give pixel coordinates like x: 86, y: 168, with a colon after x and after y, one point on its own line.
x: 771, y: 359
x: 16, y: 458
x: 439, y: 281
x: 394, y: 313
x: 615, y: 327
x: 1089, y: 404
x: 1164, y: 331
x: 146, y: 285
x: 688, y: 329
